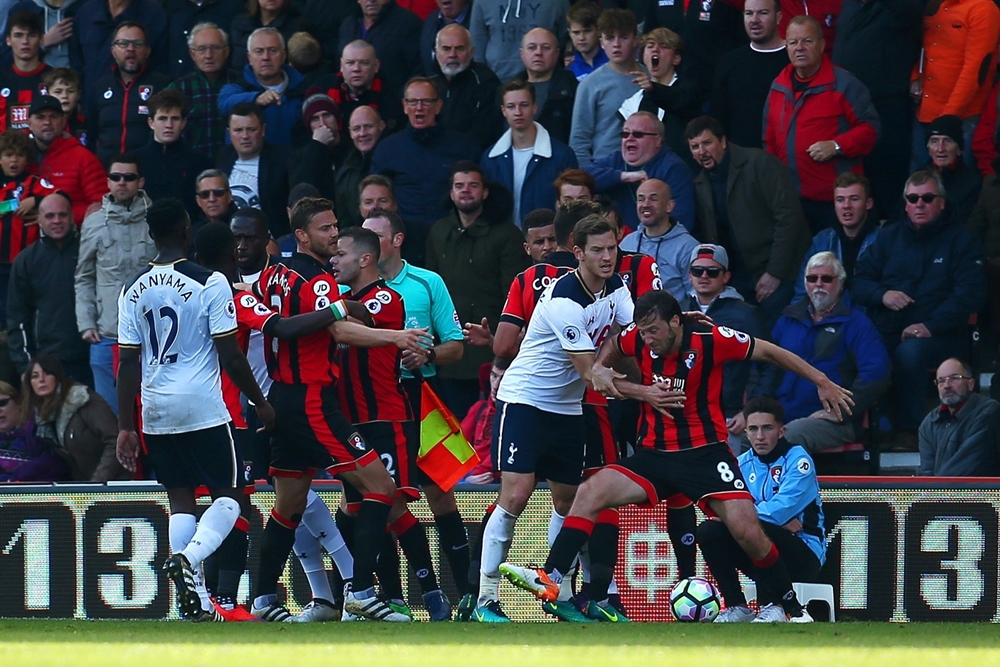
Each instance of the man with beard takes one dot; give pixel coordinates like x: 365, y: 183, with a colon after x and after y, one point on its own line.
x: 470, y: 89
x: 961, y: 437
x: 839, y: 340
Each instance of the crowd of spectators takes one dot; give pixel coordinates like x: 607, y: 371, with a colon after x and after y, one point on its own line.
x: 813, y: 175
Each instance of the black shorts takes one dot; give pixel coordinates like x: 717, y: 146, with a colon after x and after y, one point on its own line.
x: 207, y: 457
x: 532, y: 441
x: 600, y: 446
x: 700, y: 474
x: 310, y: 433
x: 391, y: 441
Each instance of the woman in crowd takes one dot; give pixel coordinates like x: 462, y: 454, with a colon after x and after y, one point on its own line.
x: 23, y: 456
x: 75, y: 418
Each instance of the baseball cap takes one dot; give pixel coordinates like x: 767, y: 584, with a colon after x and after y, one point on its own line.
x: 43, y: 102
x: 716, y: 253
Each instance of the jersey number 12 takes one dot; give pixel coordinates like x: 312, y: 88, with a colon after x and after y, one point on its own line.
x: 161, y: 356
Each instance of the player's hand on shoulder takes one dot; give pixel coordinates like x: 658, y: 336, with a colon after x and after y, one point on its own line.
x: 266, y: 414
x: 697, y: 317
x: 414, y: 340
x: 127, y: 449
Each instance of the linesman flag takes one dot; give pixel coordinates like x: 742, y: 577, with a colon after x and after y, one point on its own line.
x: 445, y: 455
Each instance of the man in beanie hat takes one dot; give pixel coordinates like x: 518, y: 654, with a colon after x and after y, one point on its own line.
x: 316, y: 162
x: 962, y: 183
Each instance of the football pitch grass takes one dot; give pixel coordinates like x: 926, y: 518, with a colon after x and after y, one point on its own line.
x: 143, y: 643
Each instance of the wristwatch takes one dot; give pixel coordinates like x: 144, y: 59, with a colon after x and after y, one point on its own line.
x: 836, y: 149
x: 431, y: 355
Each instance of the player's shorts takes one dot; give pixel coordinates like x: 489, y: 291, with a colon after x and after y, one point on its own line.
x: 700, y: 474
x: 206, y: 457
x: 599, y: 439
x: 311, y: 434
x: 532, y: 441
x: 240, y: 437
x: 391, y: 441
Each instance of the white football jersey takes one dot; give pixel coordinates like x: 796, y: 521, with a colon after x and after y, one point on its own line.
x: 568, y: 319
x: 172, y: 312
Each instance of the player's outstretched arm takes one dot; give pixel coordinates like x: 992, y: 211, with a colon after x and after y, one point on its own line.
x: 296, y: 326
x: 835, y: 399
x: 358, y: 335
x: 129, y: 378
x: 234, y: 362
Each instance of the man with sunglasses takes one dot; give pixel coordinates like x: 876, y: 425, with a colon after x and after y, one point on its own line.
x: 960, y: 437
x: 114, y: 245
x: 213, y: 198
x: 920, y: 282
x: 838, y: 339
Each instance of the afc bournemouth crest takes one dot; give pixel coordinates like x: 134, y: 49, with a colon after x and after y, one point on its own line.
x: 689, y: 358
x: 145, y: 92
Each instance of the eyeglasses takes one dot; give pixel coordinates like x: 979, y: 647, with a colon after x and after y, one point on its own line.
x: 205, y: 48
x: 625, y: 134
x: 927, y: 198
x: 712, y: 271
x: 5, y: 401
x: 813, y: 278
x: 218, y: 193
x: 125, y: 43
x: 128, y: 178
x: 951, y: 378
x: 421, y: 102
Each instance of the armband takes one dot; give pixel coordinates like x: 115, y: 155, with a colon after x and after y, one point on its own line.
x: 339, y: 309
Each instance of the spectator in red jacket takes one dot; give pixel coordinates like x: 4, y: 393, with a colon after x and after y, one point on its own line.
x: 478, y: 426
x: 810, y: 104
x: 62, y: 160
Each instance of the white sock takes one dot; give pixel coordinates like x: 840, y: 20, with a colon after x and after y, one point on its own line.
x: 199, y: 587
x: 310, y: 555
x: 215, y: 524
x: 318, y: 520
x: 613, y: 588
x: 496, y: 544
x: 181, y: 530
x: 555, y: 525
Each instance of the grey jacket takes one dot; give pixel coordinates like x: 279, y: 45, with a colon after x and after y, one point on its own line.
x: 966, y: 444
x: 114, y: 245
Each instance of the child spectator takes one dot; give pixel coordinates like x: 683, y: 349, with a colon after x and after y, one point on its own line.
x: 587, y: 54
x: 478, y: 424
x: 63, y: 84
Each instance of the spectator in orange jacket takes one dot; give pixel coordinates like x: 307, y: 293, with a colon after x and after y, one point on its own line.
x: 807, y: 109
x: 954, y: 76
x: 62, y: 160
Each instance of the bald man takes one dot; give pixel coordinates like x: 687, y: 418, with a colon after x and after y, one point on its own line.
x: 365, y: 128
x: 360, y: 82
x: 555, y: 87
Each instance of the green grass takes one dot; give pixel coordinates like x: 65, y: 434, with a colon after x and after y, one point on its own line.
x: 142, y: 643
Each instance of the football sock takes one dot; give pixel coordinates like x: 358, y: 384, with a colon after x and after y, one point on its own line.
x: 346, y: 525
x: 681, y: 527
x: 413, y: 539
x: 603, y: 545
x: 476, y: 552
x: 566, y: 585
x: 181, y: 529
x: 387, y: 569
x: 555, y: 525
x: 213, y: 527
x: 585, y: 564
x: 275, y: 545
x: 574, y: 534
x: 310, y: 555
x: 724, y: 557
x: 232, y: 561
x: 322, y: 526
x: 774, y: 577
x: 369, y: 532
x: 496, y: 544
x: 454, y: 541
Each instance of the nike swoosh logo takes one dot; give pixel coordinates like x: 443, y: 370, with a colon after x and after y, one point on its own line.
x: 460, y: 546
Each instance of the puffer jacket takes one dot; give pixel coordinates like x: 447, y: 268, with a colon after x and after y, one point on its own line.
x: 70, y: 167
x: 85, y: 431
x: 114, y: 245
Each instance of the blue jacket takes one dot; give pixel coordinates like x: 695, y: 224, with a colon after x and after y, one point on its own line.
x: 665, y: 165
x: 281, y: 119
x: 784, y: 486
x: 941, y: 266
x: 94, y: 29
x: 845, y: 345
x: 828, y: 240
x: 551, y: 158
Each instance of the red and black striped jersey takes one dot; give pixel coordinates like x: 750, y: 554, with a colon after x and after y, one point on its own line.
x: 526, y: 289
x: 251, y: 315
x: 370, y: 389
x: 301, y: 284
x: 639, y: 271
x: 17, y: 91
x: 696, y: 369
x: 15, y: 235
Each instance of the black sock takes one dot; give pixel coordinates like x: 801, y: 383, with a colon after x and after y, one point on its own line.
x: 724, y: 558
x: 275, y: 545
x: 775, y: 583
x: 232, y: 556
x: 345, y: 524
x: 387, y: 569
x: 454, y: 542
x: 369, y: 533
x: 681, y: 527
x: 603, y: 546
x: 476, y: 554
x: 413, y: 539
x: 571, y: 538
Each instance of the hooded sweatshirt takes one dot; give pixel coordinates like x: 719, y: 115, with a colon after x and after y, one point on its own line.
x: 54, y: 56
x: 672, y: 252
x: 497, y: 27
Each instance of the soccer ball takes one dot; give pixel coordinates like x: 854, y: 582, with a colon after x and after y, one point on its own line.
x: 694, y: 600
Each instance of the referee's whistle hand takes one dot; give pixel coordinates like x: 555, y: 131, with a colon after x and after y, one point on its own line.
x: 266, y: 414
